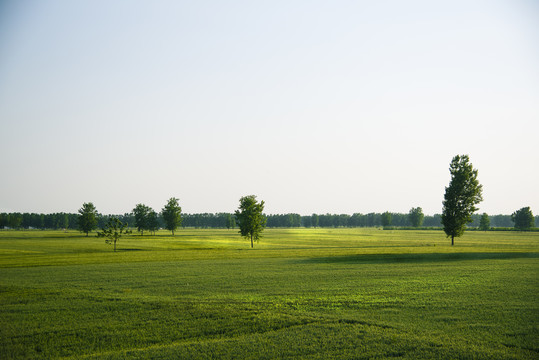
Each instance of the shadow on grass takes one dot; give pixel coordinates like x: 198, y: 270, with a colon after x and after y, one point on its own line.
x: 417, y: 258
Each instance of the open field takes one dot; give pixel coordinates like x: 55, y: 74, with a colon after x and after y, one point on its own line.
x: 300, y: 293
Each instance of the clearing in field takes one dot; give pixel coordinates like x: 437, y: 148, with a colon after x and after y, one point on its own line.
x: 300, y: 293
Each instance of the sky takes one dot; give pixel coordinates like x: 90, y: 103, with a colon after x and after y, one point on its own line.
x: 312, y: 106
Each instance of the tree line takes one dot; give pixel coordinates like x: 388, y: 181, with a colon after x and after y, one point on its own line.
x: 69, y: 221
x: 460, y: 202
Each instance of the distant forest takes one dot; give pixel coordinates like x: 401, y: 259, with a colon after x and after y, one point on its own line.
x: 227, y: 220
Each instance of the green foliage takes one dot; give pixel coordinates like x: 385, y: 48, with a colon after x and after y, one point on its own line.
x: 314, y: 220
x: 416, y: 217
x: 87, y: 218
x: 112, y: 231
x: 15, y: 220
x: 461, y: 196
x: 172, y: 215
x: 141, y: 213
x: 152, y: 221
x: 484, y: 223
x: 386, y: 219
x: 230, y: 221
x: 523, y: 219
x: 250, y: 218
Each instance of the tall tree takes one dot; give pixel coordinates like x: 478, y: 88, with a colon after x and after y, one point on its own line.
x: 484, y: 222
x: 461, y: 196
x: 112, y: 231
x: 523, y: 219
x: 250, y: 218
x: 141, y: 213
x: 172, y: 215
x: 87, y: 218
x: 416, y: 216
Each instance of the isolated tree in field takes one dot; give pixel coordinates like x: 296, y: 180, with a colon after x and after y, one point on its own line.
x: 141, y: 213
x: 386, y: 219
x: 461, y: 196
x: 87, y: 218
x: 172, y: 215
x: 484, y: 222
x: 416, y: 216
x: 523, y: 219
x: 112, y: 231
x: 250, y: 219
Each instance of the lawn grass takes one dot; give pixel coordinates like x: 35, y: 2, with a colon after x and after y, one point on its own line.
x: 300, y: 293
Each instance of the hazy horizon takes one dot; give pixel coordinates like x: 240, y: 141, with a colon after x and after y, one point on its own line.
x: 314, y: 107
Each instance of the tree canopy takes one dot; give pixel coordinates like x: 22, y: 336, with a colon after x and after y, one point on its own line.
x: 250, y: 218
x: 386, y: 219
x: 141, y: 213
x: 87, y: 218
x: 523, y: 219
x: 416, y: 216
x: 461, y: 197
x: 484, y: 222
x: 172, y: 215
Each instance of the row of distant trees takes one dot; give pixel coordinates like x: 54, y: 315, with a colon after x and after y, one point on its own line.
x: 414, y: 218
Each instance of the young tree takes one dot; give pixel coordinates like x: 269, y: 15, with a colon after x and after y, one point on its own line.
x: 484, y: 222
x: 416, y: 216
x: 386, y: 219
x: 172, y: 215
x: 250, y: 219
x: 112, y: 231
x: 461, y: 196
x: 87, y: 218
x: 523, y: 219
x: 141, y: 213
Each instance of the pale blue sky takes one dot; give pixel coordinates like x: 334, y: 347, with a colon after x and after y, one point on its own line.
x: 313, y: 106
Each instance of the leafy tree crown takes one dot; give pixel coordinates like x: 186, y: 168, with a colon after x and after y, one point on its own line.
x: 523, y: 219
x: 461, y: 196
x: 250, y: 218
x: 172, y: 214
x: 87, y: 217
x: 416, y: 216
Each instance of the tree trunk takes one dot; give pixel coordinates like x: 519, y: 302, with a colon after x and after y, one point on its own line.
x: 114, y: 245
x: 452, y: 240
x: 251, y: 241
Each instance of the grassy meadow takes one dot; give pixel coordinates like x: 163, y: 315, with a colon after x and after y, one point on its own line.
x: 300, y: 293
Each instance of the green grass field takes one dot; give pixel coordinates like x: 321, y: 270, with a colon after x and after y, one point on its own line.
x: 300, y: 293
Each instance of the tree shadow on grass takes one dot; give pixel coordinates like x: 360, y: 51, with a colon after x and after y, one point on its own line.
x: 418, y: 258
